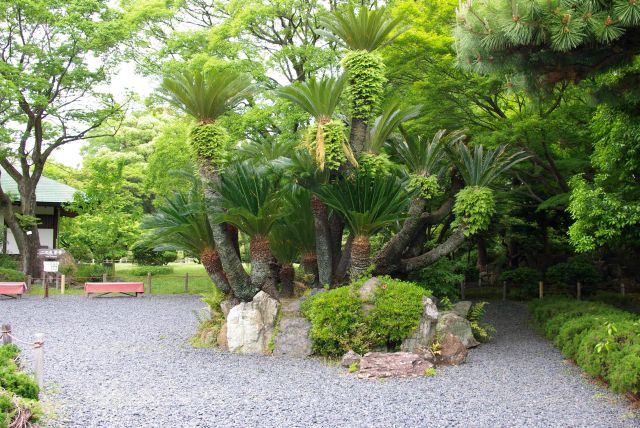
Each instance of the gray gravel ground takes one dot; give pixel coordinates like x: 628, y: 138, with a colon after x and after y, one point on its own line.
x: 126, y: 362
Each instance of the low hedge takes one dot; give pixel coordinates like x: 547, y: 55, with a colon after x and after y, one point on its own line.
x: 155, y: 270
x: 18, y: 391
x: 11, y: 275
x: 339, y: 323
x: 603, y: 340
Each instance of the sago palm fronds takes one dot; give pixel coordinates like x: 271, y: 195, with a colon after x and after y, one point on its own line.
x: 480, y: 167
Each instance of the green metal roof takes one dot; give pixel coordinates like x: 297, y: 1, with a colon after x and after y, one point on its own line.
x: 48, y: 191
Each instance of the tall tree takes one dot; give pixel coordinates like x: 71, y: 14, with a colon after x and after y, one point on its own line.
x: 54, y: 58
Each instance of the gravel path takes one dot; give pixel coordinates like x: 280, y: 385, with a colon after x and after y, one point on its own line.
x: 126, y: 362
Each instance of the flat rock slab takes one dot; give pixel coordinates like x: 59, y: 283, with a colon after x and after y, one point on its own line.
x: 293, y: 338
x: 394, y: 364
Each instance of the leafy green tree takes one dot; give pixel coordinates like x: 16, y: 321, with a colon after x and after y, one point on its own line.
x: 49, y: 92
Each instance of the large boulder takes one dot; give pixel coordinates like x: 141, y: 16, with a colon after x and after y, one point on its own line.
x: 350, y: 358
x: 396, y: 364
x: 293, y: 338
x: 422, y: 336
x: 226, y: 305
x: 250, y: 325
x: 462, y: 308
x: 452, y: 323
x: 452, y: 351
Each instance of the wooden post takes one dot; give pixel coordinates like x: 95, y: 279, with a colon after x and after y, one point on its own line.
x: 504, y: 290
x: 622, y: 290
x: 104, y: 277
x: 186, y: 282
x: 462, y: 289
x: 57, y: 281
x: 29, y: 281
x: 38, y: 351
x: 480, y: 280
x: 46, y: 285
x: 579, y: 290
x: 62, y: 283
x: 6, y: 331
x: 541, y: 290
x: 148, y: 282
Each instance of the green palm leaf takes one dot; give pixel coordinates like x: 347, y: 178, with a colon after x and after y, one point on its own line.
x: 391, y: 118
x: 205, y: 95
x: 367, y: 204
x: 480, y: 167
x: 318, y: 97
x: 366, y: 30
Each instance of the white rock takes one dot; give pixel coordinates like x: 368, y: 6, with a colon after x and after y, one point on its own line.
x: 250, y: 325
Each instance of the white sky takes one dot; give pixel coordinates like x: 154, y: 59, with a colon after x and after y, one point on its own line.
x: 124, y: 80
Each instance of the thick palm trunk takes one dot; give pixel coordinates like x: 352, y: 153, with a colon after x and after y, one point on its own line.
x: 261, y: 274
x: 360, y: 256
x: 323, y: 240
x: 239, y: 282
x: 430, y: 257
x: 287, y: 275
x: 211, y: 261
x: 310, y: 266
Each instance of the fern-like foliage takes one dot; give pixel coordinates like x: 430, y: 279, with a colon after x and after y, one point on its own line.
x: 361, y: 30
x: 205, y: 95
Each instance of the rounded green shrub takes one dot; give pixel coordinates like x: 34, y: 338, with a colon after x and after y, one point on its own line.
x: 154, y: 270
x: 625, y: 372
x: 374, y: 165
x: 573, y: 270
x: 11, y: 275
x: 340, y: 320
x: 8, y: 262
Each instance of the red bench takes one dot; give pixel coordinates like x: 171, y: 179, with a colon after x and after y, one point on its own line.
x: 12, y: 289
x: 102, y: 288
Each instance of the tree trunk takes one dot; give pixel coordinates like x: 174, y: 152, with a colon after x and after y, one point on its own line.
x: 323, y: 240
x: 340, y: 275
x: 430, y: 257
x: 29, y: 234
x: 211, y: 261
x: 310, y: 266
x: 261, y: 274
x: 287, y: 275
x: 358, y: 135
x: 483, y: 257
x: 360, y: 256
x: 336, y: 227
x: 239, y: 281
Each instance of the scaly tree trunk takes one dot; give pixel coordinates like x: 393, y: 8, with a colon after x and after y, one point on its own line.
x: 323, y: 240
x: 287, y: 275
x: 360, y: 256
x: 340, y: 275
x: 211, y: 261
x: 261, y: 274
x: 447, y: 247
x: 239, y: 282
x: 336, y: 227
x: 310, y: 266
x: 358, y: 135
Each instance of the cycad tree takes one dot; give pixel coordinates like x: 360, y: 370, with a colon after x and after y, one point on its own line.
x: 181, y: 223
x: 480, y: 168
x: 367, y: 205
x: 319, y: 98
x: 252, y: 203
x: 206, y: 95
x: 362, y: 32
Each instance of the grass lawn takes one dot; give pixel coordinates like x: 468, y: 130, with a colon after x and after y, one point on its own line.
x: 172, y: 283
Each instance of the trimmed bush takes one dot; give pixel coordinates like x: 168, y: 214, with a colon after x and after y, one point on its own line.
x: 16, y: 388
x: 88, y: 272
x: 150, y: 257
x: 11, y: 275
x: 603, y: 340
x: 568, y: 273
x: 155, y: 270
x: 8, y: 262
x: 339, y: 323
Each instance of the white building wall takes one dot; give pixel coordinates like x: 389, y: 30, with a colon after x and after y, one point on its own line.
x: 46, y: 240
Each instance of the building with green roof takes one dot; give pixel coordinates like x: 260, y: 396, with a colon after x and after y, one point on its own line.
x: 51, y: 196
